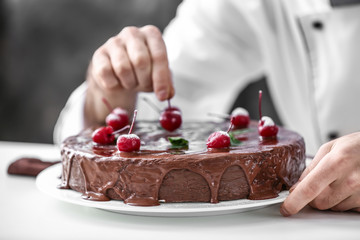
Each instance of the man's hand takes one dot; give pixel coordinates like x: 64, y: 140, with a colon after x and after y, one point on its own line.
x: 331, y: 181
x: 133, y: 61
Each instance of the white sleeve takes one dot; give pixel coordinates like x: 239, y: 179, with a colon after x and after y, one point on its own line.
x: 214, y: 53
x: 71, y: 119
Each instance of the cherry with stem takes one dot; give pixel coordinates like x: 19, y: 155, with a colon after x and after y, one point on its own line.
x: 170, y: 118
x: 220, y: 139
x: 129, y: 142
x: 266, y: 127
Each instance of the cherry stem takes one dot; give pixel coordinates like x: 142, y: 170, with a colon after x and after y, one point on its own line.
x: 169, y: 105
x: 220, y: 115
x: 133, y: 121
x: 107, y: 104
x: 260, y: 99
x: 230, y: 127
x: 151, y: 104
x: 120, y: 130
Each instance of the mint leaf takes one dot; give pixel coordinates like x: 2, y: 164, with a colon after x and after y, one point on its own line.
x: 178, y: 142
x: 233, y: 140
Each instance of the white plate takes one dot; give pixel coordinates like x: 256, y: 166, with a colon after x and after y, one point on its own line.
x: 48, y: 180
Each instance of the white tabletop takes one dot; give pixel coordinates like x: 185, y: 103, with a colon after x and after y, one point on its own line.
x: 27, y: 213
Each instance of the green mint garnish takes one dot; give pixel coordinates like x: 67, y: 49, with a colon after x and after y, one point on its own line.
x: 233, y: 140
x: 178, y: 142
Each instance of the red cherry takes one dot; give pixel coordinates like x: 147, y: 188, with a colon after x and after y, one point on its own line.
x: 170, y: 118
x: 106, y: 135
x: 219, y: 139
x: 240, y: 118
x: 103, y: 135
x: 118, y: 117
x: 266, y: 127
x: 129, y: 142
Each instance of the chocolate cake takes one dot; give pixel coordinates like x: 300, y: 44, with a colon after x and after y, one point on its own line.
x: 254, y: 168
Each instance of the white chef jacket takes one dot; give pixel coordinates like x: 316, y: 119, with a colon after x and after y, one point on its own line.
x: 308, y: 49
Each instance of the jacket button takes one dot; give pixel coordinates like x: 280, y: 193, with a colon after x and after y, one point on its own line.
x: 333, y: 135
x: 318, y: 25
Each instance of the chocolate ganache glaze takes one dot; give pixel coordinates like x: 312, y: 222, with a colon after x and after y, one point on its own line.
x: 254, y: 169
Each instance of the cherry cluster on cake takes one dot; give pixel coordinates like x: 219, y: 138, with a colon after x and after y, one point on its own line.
x: 239, y: 118
x: 170, y: 119
x: 117, y: 121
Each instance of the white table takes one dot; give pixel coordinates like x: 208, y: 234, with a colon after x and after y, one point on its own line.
x: 27, y: 213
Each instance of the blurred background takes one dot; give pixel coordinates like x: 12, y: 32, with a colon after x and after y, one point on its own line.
x: 45, y: 48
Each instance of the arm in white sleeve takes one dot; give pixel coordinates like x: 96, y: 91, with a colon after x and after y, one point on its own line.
x: 71, y: 119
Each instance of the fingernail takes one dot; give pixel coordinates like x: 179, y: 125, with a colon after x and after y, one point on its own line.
x: 283, y: 211
x: 162, y: 95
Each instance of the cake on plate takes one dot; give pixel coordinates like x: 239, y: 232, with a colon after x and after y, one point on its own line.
x: 252, y: 168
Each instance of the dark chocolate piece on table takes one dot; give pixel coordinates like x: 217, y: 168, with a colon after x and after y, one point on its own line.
x: 28, y: 166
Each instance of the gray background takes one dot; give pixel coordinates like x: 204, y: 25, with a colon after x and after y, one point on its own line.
x: 45, y: 47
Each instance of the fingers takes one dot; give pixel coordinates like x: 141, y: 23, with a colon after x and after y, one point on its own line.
x: 349, y: 188
x: 135, y: 59
x: 332, y: 181
x: 120, y: 63
x: 161, y: 75
x: 139, y: 57
x: 350, y: 203
x: 323, y: 150
x: 310, y: 187
x: 101, y: 70
x: 332, y: 195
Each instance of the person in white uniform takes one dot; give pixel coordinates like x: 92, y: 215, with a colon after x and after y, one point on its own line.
x: 308, y: 50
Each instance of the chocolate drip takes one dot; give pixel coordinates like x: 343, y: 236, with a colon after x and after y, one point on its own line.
x: 262, y: 167
x: 65, y: 175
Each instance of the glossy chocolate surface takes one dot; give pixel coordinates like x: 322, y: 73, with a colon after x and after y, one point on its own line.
x: 255, y: 169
